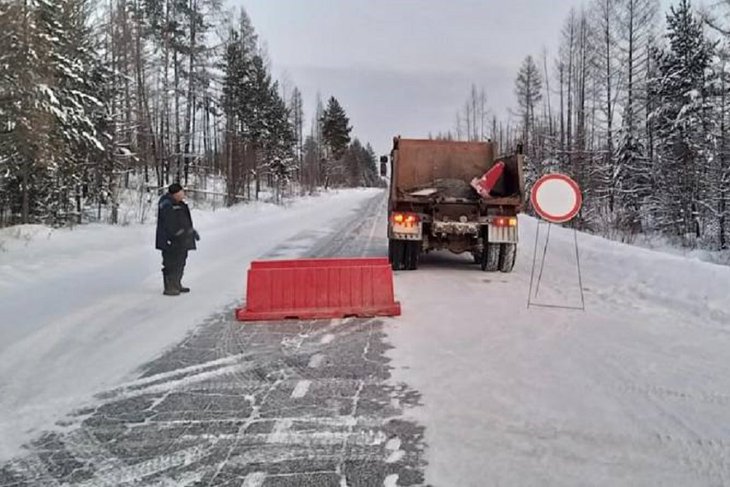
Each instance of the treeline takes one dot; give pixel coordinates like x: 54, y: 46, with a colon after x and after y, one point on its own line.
x: 99, y: 98
x: 637, y: 115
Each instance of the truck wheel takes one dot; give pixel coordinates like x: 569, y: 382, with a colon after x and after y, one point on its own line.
x: 490, y: 257
x: 413, y: 253
x: 507, y: 257
x: 396, y: 254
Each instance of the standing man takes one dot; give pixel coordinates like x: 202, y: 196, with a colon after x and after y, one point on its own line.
x: 175, y: 237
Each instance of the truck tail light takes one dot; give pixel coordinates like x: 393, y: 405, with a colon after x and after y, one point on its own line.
x: 504, y: 221
x: 407, y: 219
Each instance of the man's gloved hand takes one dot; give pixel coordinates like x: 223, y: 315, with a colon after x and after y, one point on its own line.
x: 196, y: 235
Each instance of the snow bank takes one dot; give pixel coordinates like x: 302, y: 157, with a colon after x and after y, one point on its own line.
x: 662, y: 244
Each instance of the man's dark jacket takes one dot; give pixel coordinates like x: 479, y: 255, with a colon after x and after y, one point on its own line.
x: 174, y: 225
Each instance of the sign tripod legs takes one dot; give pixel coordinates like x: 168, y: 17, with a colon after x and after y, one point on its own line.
x: 536, y: 286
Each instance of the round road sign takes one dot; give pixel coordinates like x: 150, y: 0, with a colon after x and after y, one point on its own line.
x: 556, y: 198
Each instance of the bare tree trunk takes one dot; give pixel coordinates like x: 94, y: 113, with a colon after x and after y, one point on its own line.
x: 569, y: 132
x: 126, y: 70
x: 26, y: 162
x: 547, y: 93
x: 581, y: 115
x: 609, y: 103
x: 722, y: 203
x: 190, y: 112
x: 165, y: 109
x: 561, y: 70
x: 474, y: 111
x: 178, y: 135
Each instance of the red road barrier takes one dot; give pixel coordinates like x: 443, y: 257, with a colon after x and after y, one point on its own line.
x: 319, y: 289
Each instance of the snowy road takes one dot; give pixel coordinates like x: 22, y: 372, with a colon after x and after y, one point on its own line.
x: 290, y: 404
x: 467, y: 388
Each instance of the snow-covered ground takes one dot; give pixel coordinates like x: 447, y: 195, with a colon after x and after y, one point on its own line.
x: 633, y: 391
x: 81, y: 309
x: 662, y: 244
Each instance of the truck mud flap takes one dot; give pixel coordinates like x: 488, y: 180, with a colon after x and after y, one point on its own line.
x: 404, y: 254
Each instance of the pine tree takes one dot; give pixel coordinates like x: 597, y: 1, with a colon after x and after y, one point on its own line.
x: 310, y: 162
x: 53, y: 114
x: 353, y: 165
x: 235, y: 79
x: 528, y: 89
x: 318, y: 170
x: 296, y: 110
x: 370, y: 168
x: 81, y: 82
x: 718, y: 19
x: 335, y: 129
x: 718, y: 187
x: 632, y: 176
x: 246, y: 103
x: 279, y: 141
x: 21, y: 107
x: 681, y: 121
x: 336, y: 137
x: 603, y: 36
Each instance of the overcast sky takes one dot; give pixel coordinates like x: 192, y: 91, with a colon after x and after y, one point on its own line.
x: 405, y: 66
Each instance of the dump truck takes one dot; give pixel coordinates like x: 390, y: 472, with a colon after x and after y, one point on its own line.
x: 456, y: 196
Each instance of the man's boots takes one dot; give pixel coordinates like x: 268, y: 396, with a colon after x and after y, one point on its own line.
x: 171, y: 288
x: 178, y: 283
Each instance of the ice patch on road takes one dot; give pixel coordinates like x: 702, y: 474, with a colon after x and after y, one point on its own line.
x: 393, y: 444
x: 316, y: 361
x: 396, y: 456
x: 301, y: 389
x: 280, y: 432
x: 254, y: 479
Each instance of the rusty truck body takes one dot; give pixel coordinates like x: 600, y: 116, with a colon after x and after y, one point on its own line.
x: 432, y: 205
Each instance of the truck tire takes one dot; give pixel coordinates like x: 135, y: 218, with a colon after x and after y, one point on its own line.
x: 396, y: 254
x: 490, y: 257
x: 404, y: 255
x: 507, y: 257
x: 412, y: 255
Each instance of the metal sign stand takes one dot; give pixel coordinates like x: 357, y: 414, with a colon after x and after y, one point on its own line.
x: 530, y: 302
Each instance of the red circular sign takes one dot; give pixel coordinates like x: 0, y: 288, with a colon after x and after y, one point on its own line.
x: 556, y: 198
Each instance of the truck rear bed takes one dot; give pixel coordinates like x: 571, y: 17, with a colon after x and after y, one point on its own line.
x: 424, y: 172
